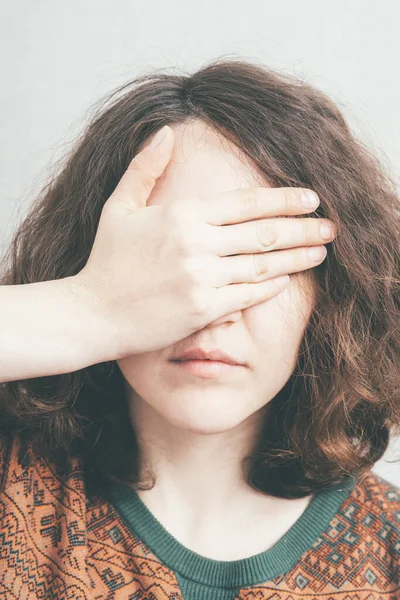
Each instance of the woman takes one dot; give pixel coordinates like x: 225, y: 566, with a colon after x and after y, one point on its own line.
x: 187, y: 426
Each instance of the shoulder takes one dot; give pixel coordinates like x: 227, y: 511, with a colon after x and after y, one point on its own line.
x: 378, y: 495
x: 377, y: 501
x: 367, y: 524
x: 22, y: 468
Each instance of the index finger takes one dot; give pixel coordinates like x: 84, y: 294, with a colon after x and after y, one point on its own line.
x: 244, y: 204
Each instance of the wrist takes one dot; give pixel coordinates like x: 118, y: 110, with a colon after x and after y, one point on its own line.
x: 93, y: 318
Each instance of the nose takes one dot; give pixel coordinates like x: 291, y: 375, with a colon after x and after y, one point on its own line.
x: 230, y: 318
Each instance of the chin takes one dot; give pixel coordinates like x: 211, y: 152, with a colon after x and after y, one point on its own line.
x: 203, y: 426
x: 205, y: 414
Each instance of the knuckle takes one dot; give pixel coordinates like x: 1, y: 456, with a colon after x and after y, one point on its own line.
x: 301, y: 259
x: 261, y: 267
x: 266, y: 234
x: 197, y: 302
x: 290, y: 199
x: 181, y: 240
x: 178, y: 228
x: 189, y: 286
x: 248, y: 201
x: 147, y: 180
x: 182, y: 212
x: 142, y: 168
x: 196, y: 272
x: 249, y: 299
x: 309, y: 230
x: 191, y: 234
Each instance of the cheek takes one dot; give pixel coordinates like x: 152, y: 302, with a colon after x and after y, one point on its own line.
x: 137, y: 369
x: 276, y: 328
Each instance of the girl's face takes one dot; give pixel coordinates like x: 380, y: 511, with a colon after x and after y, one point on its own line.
x: 266, y: 336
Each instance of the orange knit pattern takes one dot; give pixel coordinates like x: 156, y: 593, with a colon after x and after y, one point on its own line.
x: 55, y: 544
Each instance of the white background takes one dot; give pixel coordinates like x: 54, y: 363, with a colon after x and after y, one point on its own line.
x: 58, y: 58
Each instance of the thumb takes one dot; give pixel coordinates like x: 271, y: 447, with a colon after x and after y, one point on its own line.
x: 145, y: 168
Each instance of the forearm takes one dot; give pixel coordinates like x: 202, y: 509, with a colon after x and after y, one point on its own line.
x: 46, y: 328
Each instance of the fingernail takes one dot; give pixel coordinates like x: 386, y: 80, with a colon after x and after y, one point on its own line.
x: 159, y: 137
x: 309, y: 199
x: 327, y: 231
x: 317, y: 252
x: 282, y: 280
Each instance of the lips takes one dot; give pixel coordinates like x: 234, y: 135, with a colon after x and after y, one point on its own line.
x: 202, y: 354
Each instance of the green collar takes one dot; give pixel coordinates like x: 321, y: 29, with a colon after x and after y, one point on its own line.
x: 278, y: 559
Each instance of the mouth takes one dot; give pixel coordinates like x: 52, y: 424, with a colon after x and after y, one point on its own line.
x: 207, y: 368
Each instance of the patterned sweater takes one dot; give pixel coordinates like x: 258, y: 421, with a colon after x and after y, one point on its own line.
x: 57, y: 544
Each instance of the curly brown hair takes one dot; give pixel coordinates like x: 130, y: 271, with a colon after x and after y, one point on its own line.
x: 333, y: 418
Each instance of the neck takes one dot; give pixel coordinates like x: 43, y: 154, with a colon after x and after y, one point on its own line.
x: 201, y: 495
x: 187, y: 465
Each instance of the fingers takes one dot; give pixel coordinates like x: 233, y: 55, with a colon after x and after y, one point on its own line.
x: 266, y: 235
x: 260, y: 267
x: 244, y: 204
x: 239, y: 296
x: 147, y: 166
